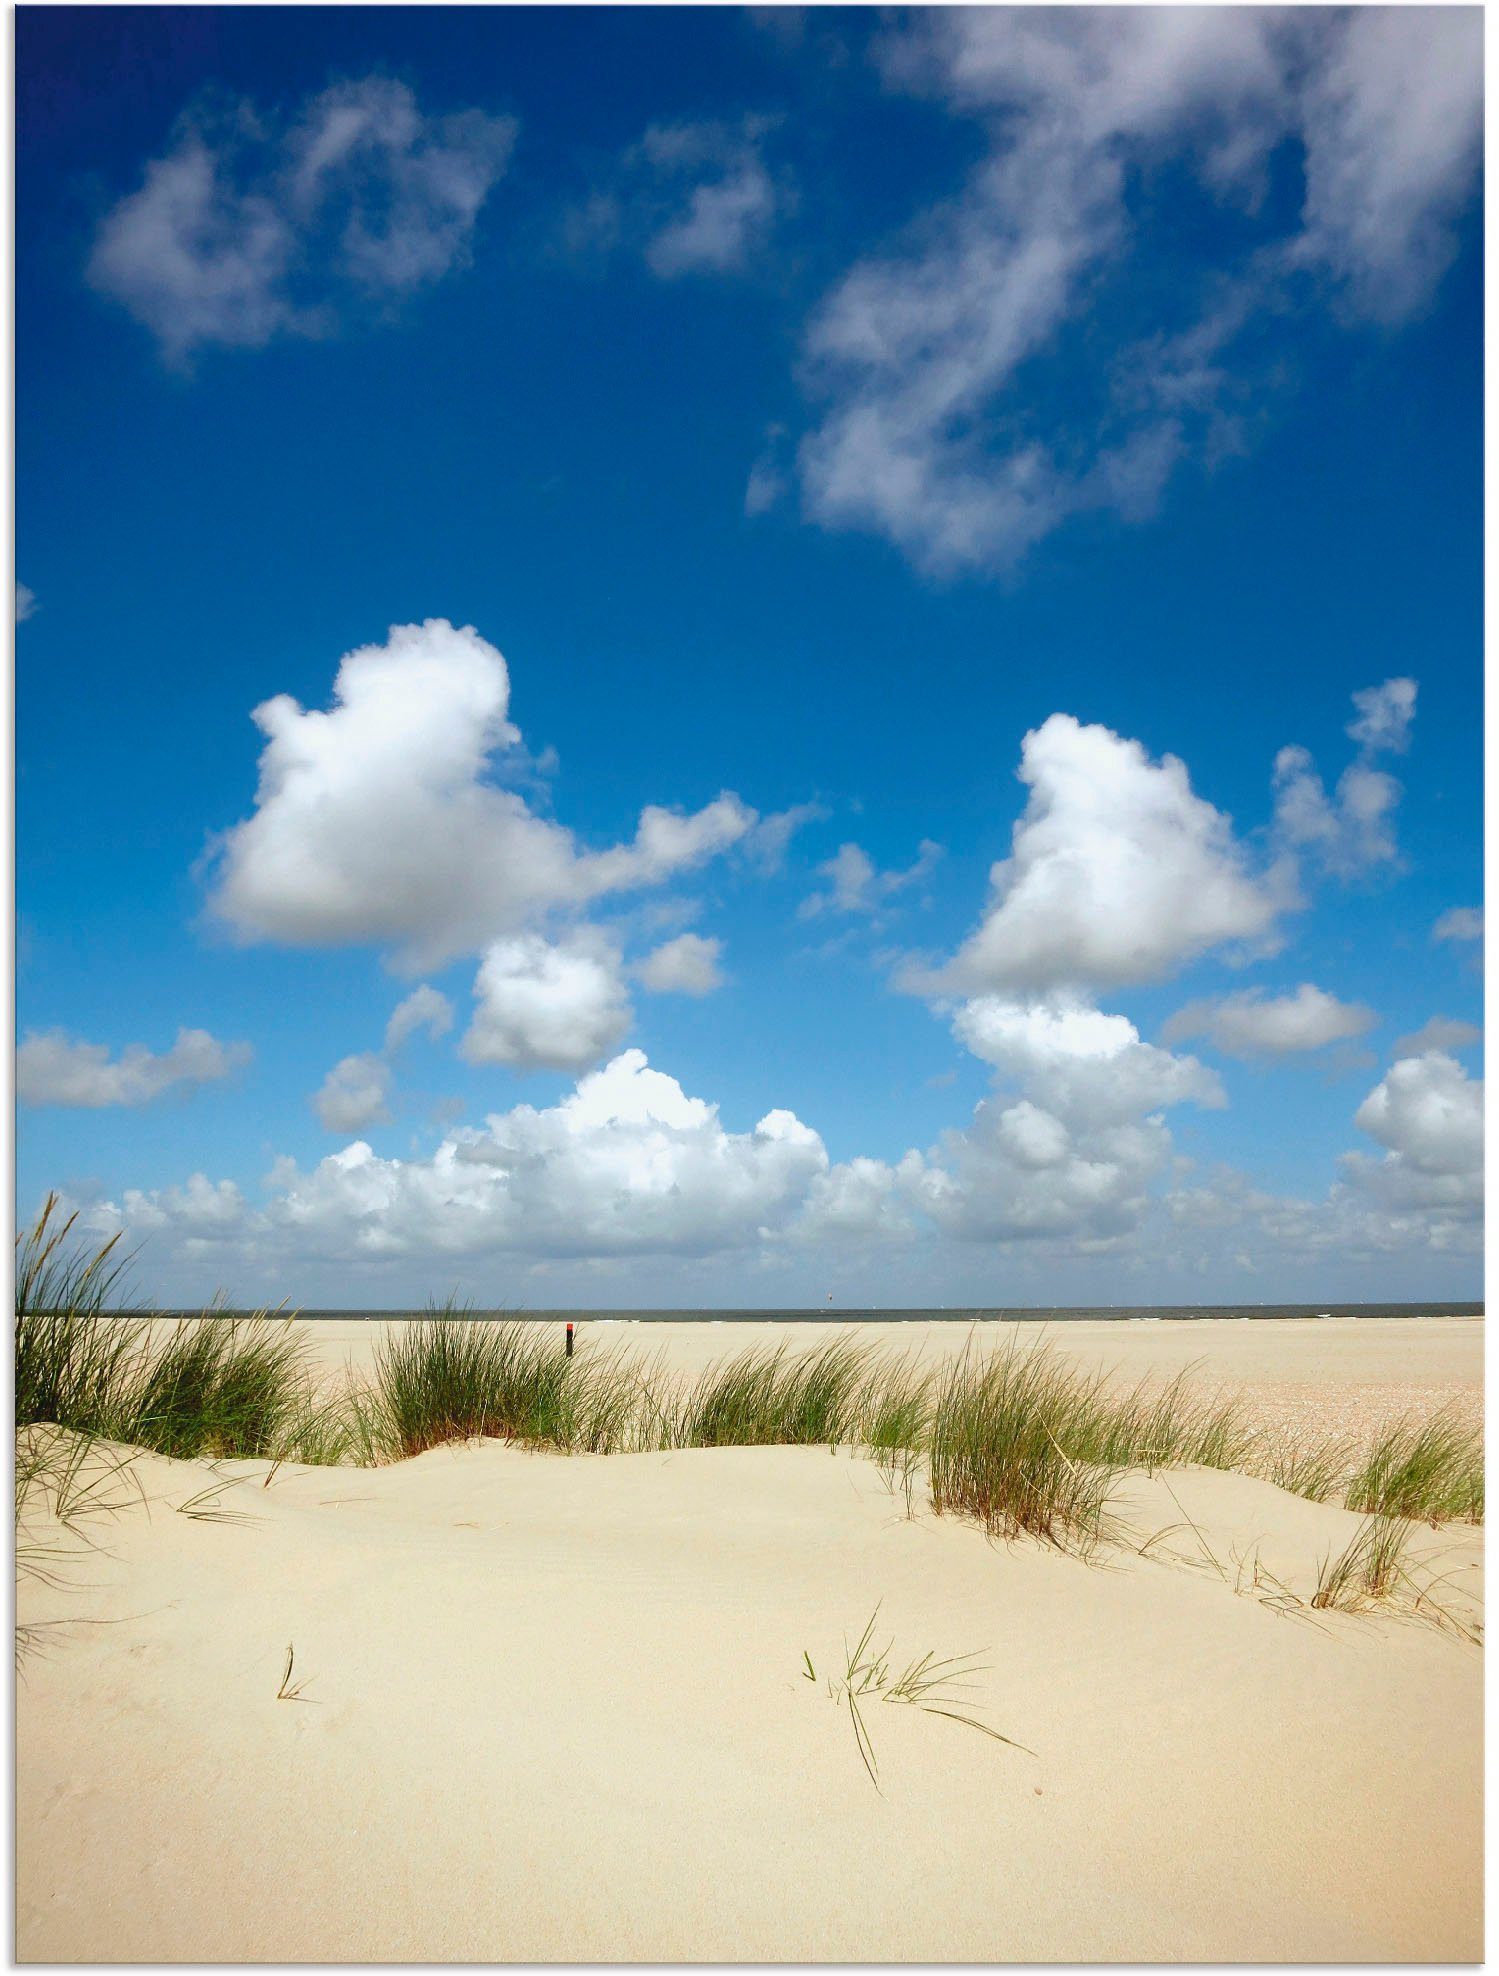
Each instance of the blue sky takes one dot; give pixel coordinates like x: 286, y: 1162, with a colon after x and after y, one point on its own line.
x: 957, y: 437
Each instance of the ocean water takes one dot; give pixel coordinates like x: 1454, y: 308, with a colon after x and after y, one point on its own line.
x: 833, y: 1314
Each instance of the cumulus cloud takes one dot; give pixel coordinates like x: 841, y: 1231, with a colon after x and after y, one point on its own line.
x: 920, y: 359
x: 252, y: 227
x: 55, y: 1069
x: 857, y: 885
x: 627, y: 1164
x: 1459, y: 923
x: 1118, y: 873
x: 1351, y: 831
x: 26, y: 604
x: 1428, y: 1115
x: 1070, y: 1157
x: 688, y: 965
x: 1087, y: 1067
x: 1073, y: 1149
x: 1384, y: 715
x: 1442, y: 1032
x: 1254, y: 1024
x: 691, y: 198
x: 425, y: 1009
x: 380, y: 822
x: 354, y: 1094
x: 539, y: 1005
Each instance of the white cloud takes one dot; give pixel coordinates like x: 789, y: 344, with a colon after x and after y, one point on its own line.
x: 544, y: 1006
x: 1073, y: 1156
x: 377, y: 821
x: 691, y: 198
x: 424, y: 1008
x: 1066, y: 1168
x: 857, y: 1200
x: 1459, y: 923
x: 250, y: 228
x: 1428, y: 1114
x: 627, y: 1164
x: 688, y: 965
x: 26, y: 604
x: 768, y: 840
x: 1393, y: 123
x: 730, y: 206
x: 54, y: 1069
x: 920, y: 357
x: 199, y: 1214
x: 1442, y: 1032
x: 1349, y: 832
x: 857, y: 885
x: 1352, y: 831
x: 1252, y: 1024
x: 1087, y: 1067
x: 1118, y: 873
x: 1385, y: 713
x: 354, y: 1094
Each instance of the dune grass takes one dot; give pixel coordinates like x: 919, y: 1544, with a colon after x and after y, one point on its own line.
x: 773, y: 1399
x: 1016, y: 1441
x: 74, y: 1353
x: 1317, y: 1472
x: 1427, y: 1471
x: 1016, y: 1437
x: 214, y: 1386
x: 1368, y: 1569
x: 935, y: 1686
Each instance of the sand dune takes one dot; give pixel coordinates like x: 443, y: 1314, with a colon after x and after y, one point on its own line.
x: 554, y: 1709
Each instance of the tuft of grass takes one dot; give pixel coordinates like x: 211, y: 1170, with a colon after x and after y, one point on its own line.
x: 763, y: 1398
x: 74, y: 1357
x: 1014, y: 1442
x: 937, y: 1687
x: 1429, y: 1472
x: 217, y: 1386
x: 894, y: 1410
x: 1314, y: 1472
x: 1369, y: 1568
x: 450, y: 1378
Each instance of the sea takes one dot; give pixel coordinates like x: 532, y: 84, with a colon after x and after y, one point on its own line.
x: 950, y: 1313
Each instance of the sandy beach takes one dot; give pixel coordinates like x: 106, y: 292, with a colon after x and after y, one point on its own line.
x: 555, y: 1708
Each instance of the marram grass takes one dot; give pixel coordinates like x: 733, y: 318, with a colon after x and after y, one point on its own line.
x: 1015, y: 1438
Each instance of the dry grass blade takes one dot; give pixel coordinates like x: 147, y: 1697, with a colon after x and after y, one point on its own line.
x: 290, y: 1691
x: 933, y: 1685
x: 204, y: 1507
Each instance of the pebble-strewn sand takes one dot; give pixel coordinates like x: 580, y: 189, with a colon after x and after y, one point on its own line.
x: 554, y: 1710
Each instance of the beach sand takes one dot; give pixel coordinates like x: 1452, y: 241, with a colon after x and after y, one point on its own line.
x: 554, y: 1708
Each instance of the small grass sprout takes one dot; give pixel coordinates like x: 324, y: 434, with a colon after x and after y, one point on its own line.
x: 936, y: 1686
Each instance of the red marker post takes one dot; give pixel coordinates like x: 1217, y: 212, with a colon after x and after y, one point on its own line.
x: 569, y: 1338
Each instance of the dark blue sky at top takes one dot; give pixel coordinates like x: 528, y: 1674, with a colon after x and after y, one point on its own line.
x: 556, y: 453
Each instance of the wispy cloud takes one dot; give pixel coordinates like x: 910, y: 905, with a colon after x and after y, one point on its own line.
x: 251, y: 227
x: 689, y: 198
x: 920, y: 360
x: 855, y: 884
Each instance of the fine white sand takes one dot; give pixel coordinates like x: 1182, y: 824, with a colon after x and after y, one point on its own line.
x: 554, y: 1710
